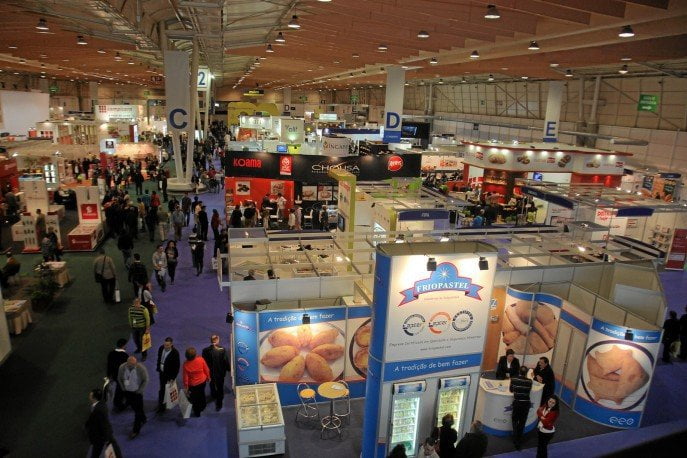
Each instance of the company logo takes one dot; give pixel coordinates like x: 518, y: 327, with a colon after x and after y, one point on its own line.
x: 621, y: 421
x: 414, y: 324
x: 395, y: 163
x: 445, y: 278
x: 248, y: 162
x: 285, y: 165
x: 334, y: 145
x: 324, y: 167
x: 462, y: 320
x: 439, y: 322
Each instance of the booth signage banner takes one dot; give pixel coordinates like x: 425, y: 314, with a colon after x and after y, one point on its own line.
x: 254, y: 122
x: 335, y: 146
x: 292, y: 130
x: 616, y: 374
x: 314, y: 169
x: 678, y: 250
x: 443, y: 312
x: 536, y: 313
x: 393, y: 103
x: 553, y: 111
x: 177, y: 82
x: 647, y: 102
x: 246, y: 358
x: 109, y: 113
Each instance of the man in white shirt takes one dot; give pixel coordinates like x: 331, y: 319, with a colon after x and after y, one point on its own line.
x: 281, y: 206
x: 133, y: 378
x: 160, y: 266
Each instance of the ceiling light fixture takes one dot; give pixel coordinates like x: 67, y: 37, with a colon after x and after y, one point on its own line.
x: 491, y: 78
x: 22, y: 61
x: 524, y: 77
x: 101, y: 51
x: 534, y: 46
x: 492, y: 12
x: 626, y: 32
x: 474, y: 55
x: 483, y: 263
x: 463, y: 80
x: 293, y: 23
x: 12, y: 47
x: 569, y: 73
x: 269, y: 48
x: 42, y: 24
x: 280, y: 38
x: 423, y: 34
x: 117, y: 57
x: 623, y: 70
x: 355, y: 56
x: 130, y: 62
x: 382, y: 48
x: 626, y: 59
x: 80, y: 40
x: 553, y: 65
x: 433, y: 61
x: 441, y: 81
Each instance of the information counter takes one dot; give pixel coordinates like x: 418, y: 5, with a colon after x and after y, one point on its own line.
x: 494, y: 406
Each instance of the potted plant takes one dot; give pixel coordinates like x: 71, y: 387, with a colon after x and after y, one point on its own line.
x: 43, y: 291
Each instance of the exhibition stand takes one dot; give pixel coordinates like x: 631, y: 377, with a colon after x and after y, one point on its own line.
x: 89, y: 232
x: 34, y: 196
x: 494, y: 405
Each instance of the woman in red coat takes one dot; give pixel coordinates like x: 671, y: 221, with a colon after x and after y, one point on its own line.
x: 547, y: 414
x: 196, y: 375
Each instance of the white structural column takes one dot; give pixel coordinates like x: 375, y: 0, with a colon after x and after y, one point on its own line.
x: 208, y: 107
x: 393, y: 104
x: 178, y: 107
x: 93, y: 94
x: 194, y: 108
x: 553, y: 111
x: 287, y: 100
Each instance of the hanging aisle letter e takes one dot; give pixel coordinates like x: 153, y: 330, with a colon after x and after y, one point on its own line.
x: 553, y: 111
x: 176, y: 89
x: 393, y: 105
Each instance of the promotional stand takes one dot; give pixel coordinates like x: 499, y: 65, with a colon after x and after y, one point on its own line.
x: 89, y: 232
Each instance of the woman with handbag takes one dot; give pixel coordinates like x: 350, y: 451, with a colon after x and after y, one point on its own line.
x: 172, y: 255
x: 196, y: 374
x: 547, y: 414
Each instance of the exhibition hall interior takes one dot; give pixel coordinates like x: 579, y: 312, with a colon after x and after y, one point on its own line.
x: 343, y: 228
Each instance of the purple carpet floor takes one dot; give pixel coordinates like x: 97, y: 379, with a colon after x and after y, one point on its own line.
x: 189, y: 311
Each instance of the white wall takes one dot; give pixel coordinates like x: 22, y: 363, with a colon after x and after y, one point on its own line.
x: 22, y: 110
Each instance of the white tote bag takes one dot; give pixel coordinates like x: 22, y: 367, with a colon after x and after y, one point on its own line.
x: 171, y: 394
x: 108, y: 452
x: 184, y: 405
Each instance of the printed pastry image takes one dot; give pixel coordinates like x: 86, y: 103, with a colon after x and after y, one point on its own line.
x: 614, y: 374
x: 308, y: 352
x: 516, y: 327
x: 593, y: 164
x: 523, y: 159
x: 359, y: 348
x: 497, y: 158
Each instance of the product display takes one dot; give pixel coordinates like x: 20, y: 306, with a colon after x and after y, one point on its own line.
x: 259, y: 419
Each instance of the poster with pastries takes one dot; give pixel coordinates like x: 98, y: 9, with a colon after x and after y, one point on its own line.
x: 293, y: 352
x: 358, y: 334
x: 529, y: 325
x: 325, y: 193
x: 616, y: 374
x: 309, y: 193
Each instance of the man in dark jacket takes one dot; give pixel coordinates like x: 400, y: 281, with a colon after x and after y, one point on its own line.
x: 508, y: 365
x: 116, y: 358
x: 520, y: 386
x: 217, y: 359
x: 203, y: 223
x: 138, y: 274
x: 544, y: 374
x: 671, y: 333
x: 474, y: 443
x: 683, y: 335
x: 167, y: 366
x: 98, y: 425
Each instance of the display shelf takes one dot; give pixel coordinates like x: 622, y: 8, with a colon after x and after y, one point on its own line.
x: 259, y: 420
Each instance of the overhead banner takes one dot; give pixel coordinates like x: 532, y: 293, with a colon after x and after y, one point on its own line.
x: 616, y: 374
x: 553, y: 111
x: 314, y: 169
x: 393, y: 103
x: 177, y: 82
x: 335, y: 146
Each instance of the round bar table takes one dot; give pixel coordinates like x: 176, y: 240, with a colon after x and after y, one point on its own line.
x: 331, y: 391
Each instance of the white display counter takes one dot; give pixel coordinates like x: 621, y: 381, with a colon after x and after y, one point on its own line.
x: 259, y: 420
x: 493, y: 408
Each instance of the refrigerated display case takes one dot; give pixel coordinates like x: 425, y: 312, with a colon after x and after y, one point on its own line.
x: 259, y: 420
x: 405, y: 409
x: 453, y: 392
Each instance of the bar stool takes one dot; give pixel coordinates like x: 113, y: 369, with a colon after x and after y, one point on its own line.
x: 308, y: 409
x: 344, y: 404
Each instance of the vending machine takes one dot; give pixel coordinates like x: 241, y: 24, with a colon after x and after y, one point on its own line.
x: 453, y: 394
x: 405, y: 414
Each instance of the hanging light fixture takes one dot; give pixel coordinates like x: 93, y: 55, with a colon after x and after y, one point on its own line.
x: 433, y: 61
x: 12, y: 47
x: 623, y: 70
x: 117, y: 57
x: 422, y: 34
x: 130, y: 62
x: 626, y: 32
x: 491, y: 78
x: 569, y: 73
x: 80, y: 40
x: 101, y: 51
x: 355, y: 56
x: 524, y: 77
x: 269, y: 48
x: 534, y: 46
x: 463, y: 80
x: 42, y: 24
x: 382, y: 48
x: 280, y: 38
x: 626, y: 59
x: 293, y: 23
x: 441, y: 81
x: 492, y: 12
x: 474, y: 54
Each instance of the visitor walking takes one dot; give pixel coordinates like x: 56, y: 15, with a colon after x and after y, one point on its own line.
x: 186, y: 207
x: 473, y: 444
x: 172, y: 259
x: 98, y: 425
x: 105, y: 274
x: 547, y: 415
x: 139, y: 322
x: 520, y: 386
x: 196, y: 375
x: 167, y: 366
x: 160, y: 266
x: 217, y: 359
x: 116, y: 358
x: 133, y: 376
x: 126, y: 245
x: 203, y: 223
x: 178, y: 221
x: 447, y: 437
x: 215, y: 222
x: 197, y: 252
x: 671, y: 333
x: 138, y: 274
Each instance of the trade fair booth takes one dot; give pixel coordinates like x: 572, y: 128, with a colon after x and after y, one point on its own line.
x: 33, y: 196
x: 89, y: 232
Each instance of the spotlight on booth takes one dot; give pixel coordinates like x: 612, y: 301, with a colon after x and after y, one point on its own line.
x: 445, y: 237
x: 305, y: 319
x: 400, y: 238
x: 483, y: 263
x: 431, y: 265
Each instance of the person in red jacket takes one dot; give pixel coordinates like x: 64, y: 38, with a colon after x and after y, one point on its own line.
x: 547, y: 414
x: 196, y: 375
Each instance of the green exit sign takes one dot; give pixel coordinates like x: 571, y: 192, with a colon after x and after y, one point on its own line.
x: 54, y: 89
x: 648, y: 102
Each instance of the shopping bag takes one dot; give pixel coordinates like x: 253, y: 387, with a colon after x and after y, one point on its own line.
x: 171, y: 394
x: 118, y: 294
x: 214, y: 263
x: 675, y: 349
x: 184, y: 405
x: 146, y: 342
x: 108, y: 452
